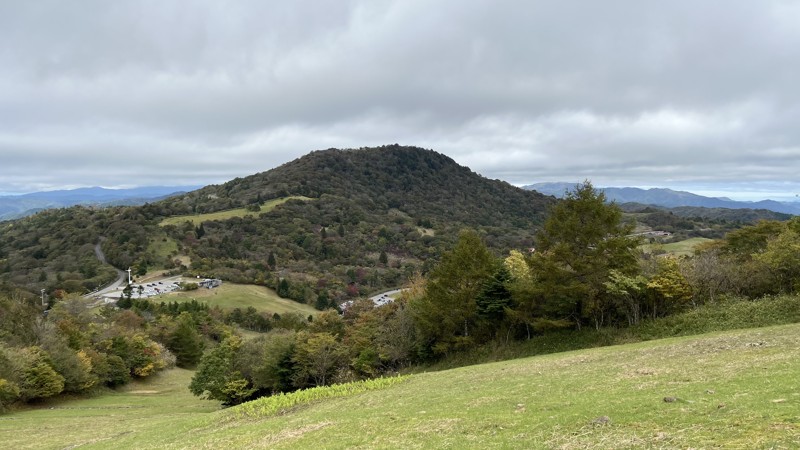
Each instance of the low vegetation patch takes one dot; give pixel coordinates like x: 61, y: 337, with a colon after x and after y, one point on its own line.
x: 276, y: 404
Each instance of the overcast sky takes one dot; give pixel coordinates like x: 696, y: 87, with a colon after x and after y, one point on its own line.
x: 695, y: 95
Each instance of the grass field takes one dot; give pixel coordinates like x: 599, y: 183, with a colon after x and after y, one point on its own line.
x: 162, y: 247
x: 229, y: 296
x: 196, y: 219
x: 160, y: 403
x: 681, y: 248
x: 738, y: 389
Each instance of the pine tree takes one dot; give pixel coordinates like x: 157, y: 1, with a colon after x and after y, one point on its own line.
x: 283, y: 288
x: 581, y: 242
x: 447, y: 313
x: 383, y: 258
x: 185, y: 342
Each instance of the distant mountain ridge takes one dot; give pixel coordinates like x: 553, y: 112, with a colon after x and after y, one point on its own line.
x: 17, y: 206
x: 669, y: 198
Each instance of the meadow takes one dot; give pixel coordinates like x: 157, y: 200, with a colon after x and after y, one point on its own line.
x: 734, y: 389
x: 680, y: 248
x: 230, y: 296
x: 197, y: 219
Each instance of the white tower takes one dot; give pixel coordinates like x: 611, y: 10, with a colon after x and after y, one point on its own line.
x: 129, y: 275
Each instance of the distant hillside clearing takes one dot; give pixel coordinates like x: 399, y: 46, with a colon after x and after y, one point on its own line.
x: 197, y: 219
x: 680, y: 248
x: 230, y: 296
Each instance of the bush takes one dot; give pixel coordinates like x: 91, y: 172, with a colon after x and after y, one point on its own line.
x: 9, y: 393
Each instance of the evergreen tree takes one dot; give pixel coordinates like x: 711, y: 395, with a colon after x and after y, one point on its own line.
x: 495, y: 297
x: 383, y: 258
x: 323, y: 301
x: 185, y: 341
x: 283, y: 288
x: 271, y: 261
x: 200, y: 231
x: 581, y: 242
x: 447, y: 312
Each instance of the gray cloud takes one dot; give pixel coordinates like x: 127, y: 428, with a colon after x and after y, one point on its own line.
x: 681, y: 94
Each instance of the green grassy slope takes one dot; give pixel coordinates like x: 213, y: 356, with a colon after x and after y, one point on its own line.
x: 140, y: 407
x: 737, y: 389
x: 680, y: 248
x: 230, y: 295
x: 197, y: 219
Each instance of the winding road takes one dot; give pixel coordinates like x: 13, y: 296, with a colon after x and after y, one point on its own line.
x: 121, y: 279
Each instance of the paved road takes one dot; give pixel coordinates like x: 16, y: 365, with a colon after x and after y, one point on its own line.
x: 122, y: 277
x: 385, y: 297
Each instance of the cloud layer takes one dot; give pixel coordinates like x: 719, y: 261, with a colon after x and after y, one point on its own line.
x: 683, y: 94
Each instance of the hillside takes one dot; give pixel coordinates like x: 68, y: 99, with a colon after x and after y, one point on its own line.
x: 367, y: 220
x: 420, y: 183
x: 371, y: 217
x: 740, y: 391
x: 670, y: 198
x: 18, y: 206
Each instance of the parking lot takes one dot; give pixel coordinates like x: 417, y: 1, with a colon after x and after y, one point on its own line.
x: 154, y: 288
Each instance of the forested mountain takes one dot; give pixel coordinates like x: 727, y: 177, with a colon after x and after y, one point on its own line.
x: 670, y: 198
x: 369, y: 219
x: 17, y: 206
x: 735, y: 216
x: 375, y: 216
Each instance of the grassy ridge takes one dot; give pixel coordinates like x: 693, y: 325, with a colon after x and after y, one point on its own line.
x: 197, y: 219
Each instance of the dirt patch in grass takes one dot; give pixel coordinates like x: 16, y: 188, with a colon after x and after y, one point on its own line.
x: 291, y: 434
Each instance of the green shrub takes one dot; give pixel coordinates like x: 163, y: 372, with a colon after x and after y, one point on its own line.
x: 268, y: 406
x: 9, y: 393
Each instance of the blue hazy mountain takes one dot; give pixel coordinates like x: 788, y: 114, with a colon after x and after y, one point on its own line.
x: 669, y: 198
x: 16, y: 206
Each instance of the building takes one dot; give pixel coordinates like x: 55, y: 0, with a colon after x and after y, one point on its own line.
x: 209, y: 283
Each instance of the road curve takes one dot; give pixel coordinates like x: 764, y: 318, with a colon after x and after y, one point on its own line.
x: 121, y: 275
